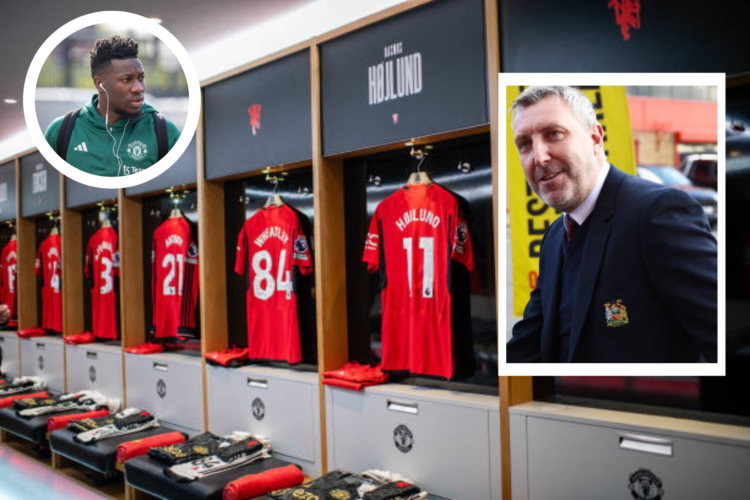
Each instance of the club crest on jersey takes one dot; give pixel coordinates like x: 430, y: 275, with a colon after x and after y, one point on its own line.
x: 137, y: 150
x: 340, y: 495
x: 616, y: 314
x: 192, y: 250
x: 371, y: 243
x: 644, y: 485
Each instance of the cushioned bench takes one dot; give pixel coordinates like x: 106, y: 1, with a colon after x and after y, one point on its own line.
x: 146, y: 474
x: 101, y: 455
x: 32, y: 429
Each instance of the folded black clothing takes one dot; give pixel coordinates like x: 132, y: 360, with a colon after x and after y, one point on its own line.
x: 26, y: 403
x: 204, y: 445
x: 333, y: 486
x: 88, y: 424
x: 235, y: 449
x: 397, y: 490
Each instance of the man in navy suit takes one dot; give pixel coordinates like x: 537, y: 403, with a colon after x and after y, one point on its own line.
x: 628, y: 273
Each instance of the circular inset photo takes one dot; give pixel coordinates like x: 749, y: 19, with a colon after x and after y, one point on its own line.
x: 112, y: 99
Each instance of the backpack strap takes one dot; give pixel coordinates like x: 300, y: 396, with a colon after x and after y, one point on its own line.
x: 65, y: 132
x: 160, y: 129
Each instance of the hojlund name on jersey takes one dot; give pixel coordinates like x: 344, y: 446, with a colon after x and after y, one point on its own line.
x: 420, y: 215
x: 271, y: 232
x: 394, y: 78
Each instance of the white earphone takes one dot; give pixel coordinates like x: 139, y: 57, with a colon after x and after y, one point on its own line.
x: 106, y: 127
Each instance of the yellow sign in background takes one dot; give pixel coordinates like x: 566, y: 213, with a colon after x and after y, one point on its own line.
x: 529, y: 216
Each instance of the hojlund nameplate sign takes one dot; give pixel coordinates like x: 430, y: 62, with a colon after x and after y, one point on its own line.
x: 40, y: 186
x: 8, y: 191
x: 419, y: 73
x: 259, y: 118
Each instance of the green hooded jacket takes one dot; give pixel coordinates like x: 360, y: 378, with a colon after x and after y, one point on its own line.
x: 94, y: 151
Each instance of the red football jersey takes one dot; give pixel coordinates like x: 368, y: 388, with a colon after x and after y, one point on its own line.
x: 270, y: 244
x: 103, y: 264
x: 414, y: 234
x: 48, y: 267
x: 8, y: 273
x: 174, y: 278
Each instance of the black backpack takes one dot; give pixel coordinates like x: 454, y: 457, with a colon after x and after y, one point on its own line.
x: 66, y: 130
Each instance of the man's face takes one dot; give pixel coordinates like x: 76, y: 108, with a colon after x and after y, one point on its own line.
x: 557, y: 153
x: 125, y: 82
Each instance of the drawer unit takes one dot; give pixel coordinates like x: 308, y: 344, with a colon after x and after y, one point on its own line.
x: 279, y: 403
x: 95, y: 367
x: 10, y: 353
x: 438, y: 438
x: 44, y: 357
x: 566, y: 455
x: 168, y: 385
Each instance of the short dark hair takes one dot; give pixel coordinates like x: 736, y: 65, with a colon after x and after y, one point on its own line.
x: 114, y: 47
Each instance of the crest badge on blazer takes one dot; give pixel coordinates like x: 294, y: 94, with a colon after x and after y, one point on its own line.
x: 616, y: 313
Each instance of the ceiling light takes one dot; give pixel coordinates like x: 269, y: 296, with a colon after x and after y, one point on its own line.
x: 10, y: 101
x: 157, y: 20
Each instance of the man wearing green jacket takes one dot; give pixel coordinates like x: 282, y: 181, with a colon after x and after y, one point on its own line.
x: 115, y: 133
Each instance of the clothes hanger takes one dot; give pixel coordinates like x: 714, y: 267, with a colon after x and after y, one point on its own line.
x: 105, y: 217
x: 54, y: 226
x: 274, y: 199
x: 420, y: 176
x: 176, y: 212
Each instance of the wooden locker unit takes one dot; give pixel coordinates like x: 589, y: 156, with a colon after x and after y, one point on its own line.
x: 329, y: 172
x: 234, y: 181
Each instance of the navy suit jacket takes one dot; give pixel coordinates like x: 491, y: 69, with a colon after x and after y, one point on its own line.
x: 648, y: 246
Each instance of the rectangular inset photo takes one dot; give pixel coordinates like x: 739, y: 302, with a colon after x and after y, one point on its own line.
x: 614, y: 224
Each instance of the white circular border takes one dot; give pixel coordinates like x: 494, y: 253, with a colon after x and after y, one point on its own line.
x: 115, y: 17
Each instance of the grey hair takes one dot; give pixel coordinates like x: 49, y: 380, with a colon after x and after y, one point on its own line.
x: 579, y: 103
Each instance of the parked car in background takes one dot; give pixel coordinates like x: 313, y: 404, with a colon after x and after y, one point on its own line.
x: 700, y: 169
x: 670, y: 176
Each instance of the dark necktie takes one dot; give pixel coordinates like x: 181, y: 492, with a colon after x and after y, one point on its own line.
x: 570, y: 226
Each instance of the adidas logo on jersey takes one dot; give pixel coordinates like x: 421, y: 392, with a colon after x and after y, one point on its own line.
x: 81, y: 147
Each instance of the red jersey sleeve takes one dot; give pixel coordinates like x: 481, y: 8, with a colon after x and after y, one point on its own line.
x: 38, y: 262
x: 87, y: 260
x: 115, y: 256
x: 372, y: 244
x: 239, y: 263
x: 302, y: 258
x: 461, y: 245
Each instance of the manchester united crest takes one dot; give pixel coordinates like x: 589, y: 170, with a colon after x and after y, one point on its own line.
x: 645, y: 485
x: 137, y: 150
x: 616, y: 314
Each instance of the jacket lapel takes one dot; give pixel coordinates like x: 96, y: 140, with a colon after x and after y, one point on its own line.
x: 593, y: 253
x: 553, y: 263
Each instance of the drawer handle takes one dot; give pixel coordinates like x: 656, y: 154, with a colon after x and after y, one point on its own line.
x: 646, y: 444
x: 403, y: 407
x: 91, y: 355
x: 40, y: 346
x: 256, y: 382
x: 162, y: 367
